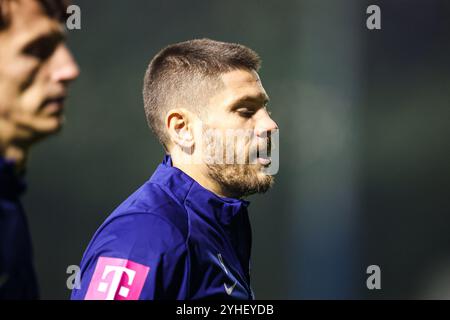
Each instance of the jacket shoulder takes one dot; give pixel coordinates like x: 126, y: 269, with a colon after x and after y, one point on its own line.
x: 151, y: 208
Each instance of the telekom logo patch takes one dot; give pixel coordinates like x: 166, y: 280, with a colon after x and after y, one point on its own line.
x: 117, y: 279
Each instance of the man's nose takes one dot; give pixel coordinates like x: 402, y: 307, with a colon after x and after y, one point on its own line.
x: 265, y: 125
x: 65, y: 69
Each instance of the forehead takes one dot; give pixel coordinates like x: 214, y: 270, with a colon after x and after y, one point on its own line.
x: 240, y: 82
x: 239, y: 86
x: 28, y: 21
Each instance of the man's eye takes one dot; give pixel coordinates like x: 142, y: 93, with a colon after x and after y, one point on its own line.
x: 245, y: 112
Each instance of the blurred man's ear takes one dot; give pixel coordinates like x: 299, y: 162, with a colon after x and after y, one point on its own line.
x: 179, y: 125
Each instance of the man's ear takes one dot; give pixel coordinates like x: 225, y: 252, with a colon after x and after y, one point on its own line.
x: 179, y: 125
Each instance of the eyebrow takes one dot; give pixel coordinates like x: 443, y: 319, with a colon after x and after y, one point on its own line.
x: 48, y: 38
x: 260, y: 98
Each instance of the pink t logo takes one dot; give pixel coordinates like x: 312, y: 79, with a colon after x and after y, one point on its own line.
x: 117, y: 279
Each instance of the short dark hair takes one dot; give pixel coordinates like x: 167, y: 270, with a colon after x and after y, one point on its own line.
x: 185, y: 74
x: 56, y: 9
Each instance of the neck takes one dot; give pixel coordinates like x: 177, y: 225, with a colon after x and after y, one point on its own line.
x: 18, y: 155
x: 197, y: 172
x: 12, y: 150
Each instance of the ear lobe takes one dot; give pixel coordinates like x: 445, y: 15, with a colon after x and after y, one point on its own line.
x: 185, y: 139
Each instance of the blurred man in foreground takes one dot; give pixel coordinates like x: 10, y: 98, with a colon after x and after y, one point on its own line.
x: 35, y: 70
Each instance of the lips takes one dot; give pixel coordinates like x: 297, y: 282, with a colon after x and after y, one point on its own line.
x: 265, y: 159
x: 54, y: 106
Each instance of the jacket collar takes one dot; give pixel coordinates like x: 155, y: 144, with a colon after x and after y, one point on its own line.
x: 11, y: 184
x: 190, y: 193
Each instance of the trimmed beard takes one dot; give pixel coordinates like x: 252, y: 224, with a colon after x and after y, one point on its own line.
x: 237, y: 179
x: 241, y: 180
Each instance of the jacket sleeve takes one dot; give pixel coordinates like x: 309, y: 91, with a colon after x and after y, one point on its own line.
x: 135, y: 256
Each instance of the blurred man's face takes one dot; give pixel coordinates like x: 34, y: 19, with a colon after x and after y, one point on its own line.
x: 35, y: 70
x: 238, y: 121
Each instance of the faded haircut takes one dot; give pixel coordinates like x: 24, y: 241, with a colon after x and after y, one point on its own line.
x: 186, y: 74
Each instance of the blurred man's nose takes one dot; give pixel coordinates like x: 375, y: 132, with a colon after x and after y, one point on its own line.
x: 265, y: 125
x: 64, y: 67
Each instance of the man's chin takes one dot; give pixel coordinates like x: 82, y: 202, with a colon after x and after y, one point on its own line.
x: 47, y: 127
x: 53, y: 125
x: 242, y: 180
x: 265, y: 182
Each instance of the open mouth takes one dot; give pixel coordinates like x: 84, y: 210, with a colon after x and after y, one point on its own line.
x: 54, y: 106
x: 264, y: 158
x: 264, y: 161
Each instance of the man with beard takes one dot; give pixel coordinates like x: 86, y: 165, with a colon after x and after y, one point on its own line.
x: 185, y: 234
x: 35, y: 70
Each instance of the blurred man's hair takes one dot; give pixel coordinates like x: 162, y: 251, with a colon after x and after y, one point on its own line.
x: 186, y: 75
x: 55, y: 9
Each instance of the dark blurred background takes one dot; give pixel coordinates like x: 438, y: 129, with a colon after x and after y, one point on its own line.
x: 364, y: 121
